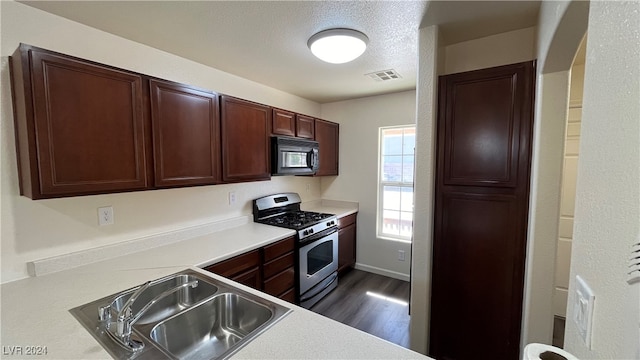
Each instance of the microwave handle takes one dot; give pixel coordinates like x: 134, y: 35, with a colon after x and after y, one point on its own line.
x: 313, y: 161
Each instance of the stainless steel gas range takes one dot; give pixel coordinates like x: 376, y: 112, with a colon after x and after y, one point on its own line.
x: 317, y: 243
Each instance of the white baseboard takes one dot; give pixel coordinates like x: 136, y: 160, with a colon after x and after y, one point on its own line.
x: 383, y: 272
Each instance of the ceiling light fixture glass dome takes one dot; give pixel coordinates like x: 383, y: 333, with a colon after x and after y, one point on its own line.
x: 338, y: 46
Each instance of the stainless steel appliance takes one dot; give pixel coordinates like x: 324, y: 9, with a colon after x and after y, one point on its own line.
x: 293, y: 156
x: 317, y: 243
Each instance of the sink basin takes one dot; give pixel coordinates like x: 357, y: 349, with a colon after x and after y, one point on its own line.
x: 169, y: 305
x: 215, y: 327
x: 211, y: 321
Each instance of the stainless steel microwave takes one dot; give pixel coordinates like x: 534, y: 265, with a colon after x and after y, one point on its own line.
x: 293, y: 156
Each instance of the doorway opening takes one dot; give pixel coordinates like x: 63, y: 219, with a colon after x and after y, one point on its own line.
x: 568, y: 195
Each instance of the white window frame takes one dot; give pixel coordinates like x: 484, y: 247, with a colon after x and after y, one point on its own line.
x: 381, y: 184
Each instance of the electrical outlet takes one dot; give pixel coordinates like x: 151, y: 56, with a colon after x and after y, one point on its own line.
x: 105, y: 215
x: 583, y: 310
x: 232, y: 197
x: 401, y: 255
x: 308, y: 187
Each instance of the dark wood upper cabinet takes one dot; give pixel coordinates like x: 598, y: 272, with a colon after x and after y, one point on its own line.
x: 80, y: 125
x: 186, y: 136
x: 483, y: 160
x: 327, y: 137
x: 283, y: 123
x: 85, y: 128
x: 245, y: 130
x: 305, y: 127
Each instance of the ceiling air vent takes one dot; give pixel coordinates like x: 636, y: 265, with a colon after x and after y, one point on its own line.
x: 384, y: 75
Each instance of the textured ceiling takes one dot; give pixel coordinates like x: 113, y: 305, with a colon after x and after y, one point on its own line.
x: 266, y: 41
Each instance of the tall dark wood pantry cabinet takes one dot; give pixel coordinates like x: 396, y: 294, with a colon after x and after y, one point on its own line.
x: 482, y: 189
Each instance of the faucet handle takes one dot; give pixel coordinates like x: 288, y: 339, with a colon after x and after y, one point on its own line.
x: 104, y: 313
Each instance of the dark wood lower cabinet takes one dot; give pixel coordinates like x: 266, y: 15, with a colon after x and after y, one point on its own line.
x: 270, y: 269
x: 346, y: 243
x: 251, y: 278
x: 244, y: 268
x: 481, y: 206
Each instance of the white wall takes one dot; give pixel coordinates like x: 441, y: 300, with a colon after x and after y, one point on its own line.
x: 426, y: 111
x: 32, y: 230
x: 607, y: 210
x: 561, y: 26
x: 359, y: 121
x: 500, y: 49
x: 607, y: 198
x: 544, y: 204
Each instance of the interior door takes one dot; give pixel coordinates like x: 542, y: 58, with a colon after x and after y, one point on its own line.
x: 482, y: 189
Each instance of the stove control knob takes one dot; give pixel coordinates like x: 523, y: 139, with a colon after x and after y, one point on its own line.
x: 331, y: 223
x: 305, y: 233
x: 310, y: 231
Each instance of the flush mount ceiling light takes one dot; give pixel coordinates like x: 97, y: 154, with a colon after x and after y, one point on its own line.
x: 338, y: 46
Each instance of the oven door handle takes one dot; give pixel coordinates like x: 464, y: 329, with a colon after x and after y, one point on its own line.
x: 319, y: 235
x: 308, y: 295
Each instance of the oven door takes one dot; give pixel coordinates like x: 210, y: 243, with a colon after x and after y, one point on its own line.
x: 318, y: 260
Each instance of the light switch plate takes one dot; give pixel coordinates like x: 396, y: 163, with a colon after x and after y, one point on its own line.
x: 583, y: 310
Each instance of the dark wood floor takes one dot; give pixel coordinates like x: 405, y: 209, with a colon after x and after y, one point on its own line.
x: 350, y: 305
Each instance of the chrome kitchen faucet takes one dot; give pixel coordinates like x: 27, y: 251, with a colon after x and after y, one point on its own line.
x: 126, y: 319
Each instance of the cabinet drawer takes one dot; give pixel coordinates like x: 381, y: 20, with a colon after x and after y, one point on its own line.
x: 251, y: 278
x: 275, y: 266
x: 289, y: 296
x: 347, y: 220
x: 236, y: 265
x: 280, y: 283
x: 280, y: 248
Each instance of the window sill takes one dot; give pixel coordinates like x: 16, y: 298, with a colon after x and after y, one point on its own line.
x: 389, y: 238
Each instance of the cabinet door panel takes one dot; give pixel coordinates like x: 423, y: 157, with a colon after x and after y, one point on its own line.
x: 185, y: 135
x: 236, y: 265
x: 280, y: 282
x: 275, y: 266
x: 347, y: 247
x: 279, y: 248
x: 327, y: 138
x: 305, y: 127
x: 289, y: 296
x: 89, y: 126
x: 481, y: 135
x: 283, y: 123
x: 245, y: 129
x: 250, y: 278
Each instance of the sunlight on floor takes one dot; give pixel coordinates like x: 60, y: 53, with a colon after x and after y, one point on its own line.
x: 390, y: 299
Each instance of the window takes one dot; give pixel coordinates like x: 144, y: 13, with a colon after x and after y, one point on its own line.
x: 395, y: 182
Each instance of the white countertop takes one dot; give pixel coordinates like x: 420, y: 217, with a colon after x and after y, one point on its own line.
x: 35, y: 311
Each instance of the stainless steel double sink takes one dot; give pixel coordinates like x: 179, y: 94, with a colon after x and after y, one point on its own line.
x: 209, y: 320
